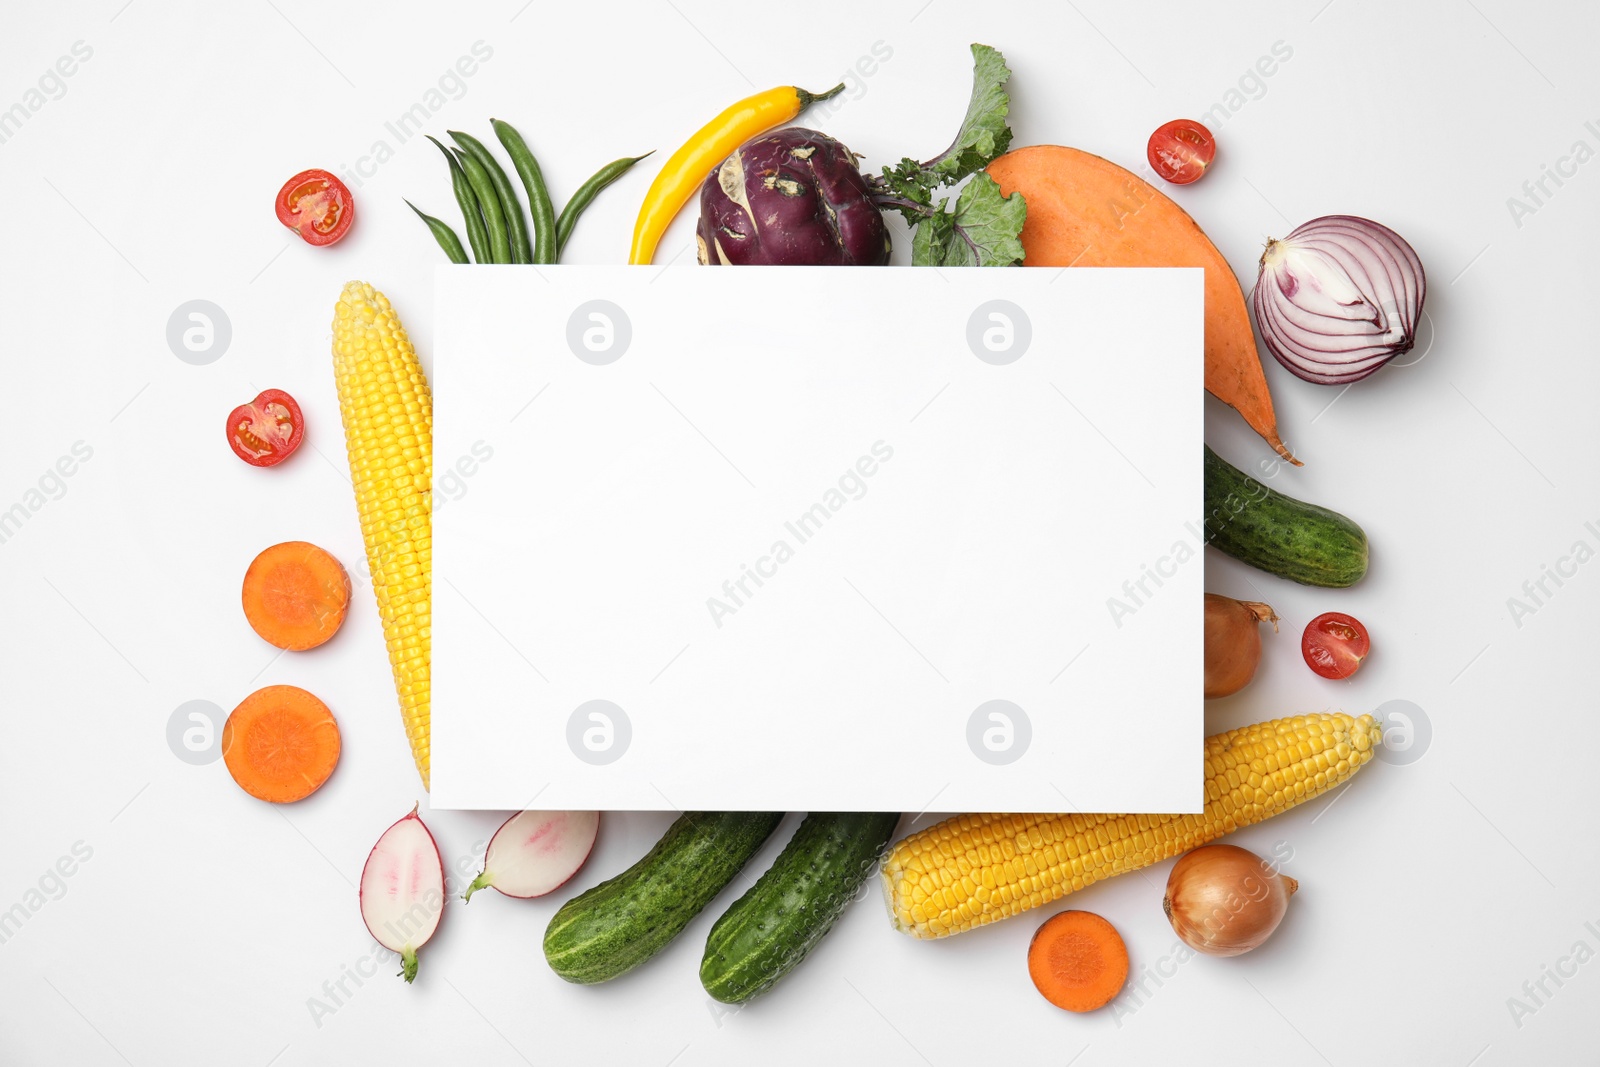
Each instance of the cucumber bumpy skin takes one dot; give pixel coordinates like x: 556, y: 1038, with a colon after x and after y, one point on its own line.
x: 1279, y: 534
x: 619, y: 924
x: 767, y: 932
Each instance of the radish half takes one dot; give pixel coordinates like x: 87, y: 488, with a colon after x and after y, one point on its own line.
x: 402, y: 890
x: 535, y: 852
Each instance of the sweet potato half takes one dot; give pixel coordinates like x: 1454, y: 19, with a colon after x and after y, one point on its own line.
x: 1084, y: 211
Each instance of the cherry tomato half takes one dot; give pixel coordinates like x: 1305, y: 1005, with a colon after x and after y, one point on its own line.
x: 317, y: 206
x: 266, y: 431
x: 1181, y: 150
x: 1334, y: 645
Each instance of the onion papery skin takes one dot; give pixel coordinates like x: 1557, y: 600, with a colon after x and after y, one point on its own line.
x: 1233, y: 642
x: 1338, y: 298
x: 1223, y: 900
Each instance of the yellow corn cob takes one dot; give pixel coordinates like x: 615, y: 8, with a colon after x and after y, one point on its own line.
x: 388, y: 430
x: 971, y: 870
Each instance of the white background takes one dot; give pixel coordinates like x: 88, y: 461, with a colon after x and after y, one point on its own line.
x: 618, y: 499
x: 204, y: 921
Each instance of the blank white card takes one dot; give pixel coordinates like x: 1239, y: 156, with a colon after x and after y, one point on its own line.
x: 813, y: 539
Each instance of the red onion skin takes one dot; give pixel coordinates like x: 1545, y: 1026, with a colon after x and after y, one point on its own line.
x: 1331, y: 349
x: 1320, y: 373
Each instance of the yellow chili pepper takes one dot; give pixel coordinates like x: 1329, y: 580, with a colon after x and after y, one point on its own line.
x: 681, y: 175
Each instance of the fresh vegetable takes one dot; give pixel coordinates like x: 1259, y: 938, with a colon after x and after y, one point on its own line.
x: 489, y: 202
x: 443, y: 234
x: 539, y: 206
x: 587, y: 192
x: 983, y: 228
x: 972, y: 870
x: 497, y: 230
x: 683, y: 172
x: 790, y: 197
x: 280, y: 744
x: 1181, y: 151
x: 1335, y: 644
x: 402, y: 890
x: 535, y: 852
x: 1078, y: 961
x: 467, y: 201
x: 767, y: 932
x: 1084, y: 211
x: 295, y: 595
x: 796, y: 197
x: 317, y: 206
x: 619, y: 924
x: 267, y: 430
x: 1224, y: 900
x: 1338, y: 298
x: 1279, y: 534
x: 1233, y: 642
x: 510, y: 207
x: 388, y: 430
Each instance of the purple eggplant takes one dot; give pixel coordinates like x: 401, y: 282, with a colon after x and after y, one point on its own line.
x: 790, y: 197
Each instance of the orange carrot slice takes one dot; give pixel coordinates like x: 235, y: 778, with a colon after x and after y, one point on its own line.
x: 295, y: 595
x: 280, y: 744
x: 1077, y: 961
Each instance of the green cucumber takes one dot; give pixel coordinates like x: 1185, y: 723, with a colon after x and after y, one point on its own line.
x: 769, y: 930
x: 619, y: 924
x: 1279, y: 534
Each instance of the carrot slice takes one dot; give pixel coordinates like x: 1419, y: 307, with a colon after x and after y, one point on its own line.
x: 280, y: 744
x: 1077, y: 961
x: 295, y: 595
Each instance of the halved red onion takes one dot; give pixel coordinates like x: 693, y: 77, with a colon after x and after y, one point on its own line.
x: 1338, y: 298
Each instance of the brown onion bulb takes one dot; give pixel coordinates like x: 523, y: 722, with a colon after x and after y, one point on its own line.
x: 1224, y: 900
x: 1233, y: 642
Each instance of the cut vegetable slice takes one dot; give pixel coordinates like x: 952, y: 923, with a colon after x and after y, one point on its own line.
x: 1181, y: 151
x: 295, y: 595
x: 1078, y: 961
x: 280, y: 744
x: 535, y: 852
x: 1085, y: 211
x: 1338, y: 298
x: 268, y: 430
x: 402, y: 890
x: 1334, y: 644
x: 317, y: 206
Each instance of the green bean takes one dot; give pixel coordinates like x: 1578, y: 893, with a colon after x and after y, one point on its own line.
x: 545, y: 247
x: 477, y: 236
x: 586, y: 193
x: 444, y: 235
x: 516, y: 223
x: 494, y: 216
